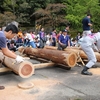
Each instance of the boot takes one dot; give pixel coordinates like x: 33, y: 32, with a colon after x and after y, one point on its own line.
x: 85, y: 72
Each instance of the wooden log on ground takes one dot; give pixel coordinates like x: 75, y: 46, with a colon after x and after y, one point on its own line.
x: 39, y: 59
x: 43, y: 65
x: 4, y: 69
x: 97, y: 56
x: 25, y: 69
x: 46, y: 63
x: 76, y: 51
x: 83, y: 55
x: 58, y: 57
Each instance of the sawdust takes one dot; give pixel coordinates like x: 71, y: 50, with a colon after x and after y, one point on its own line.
x: 40, y: 88
x: 44, y: 83
x: 44, y: 86
x: 13, y: 93
x: 95, y: 71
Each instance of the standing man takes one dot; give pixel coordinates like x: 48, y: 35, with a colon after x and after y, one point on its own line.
x: 63, y: 40
x: 9, y: 32
x: 86, y: 25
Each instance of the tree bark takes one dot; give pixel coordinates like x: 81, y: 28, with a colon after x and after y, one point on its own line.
x: 58, y: 57
x: 25, y: 69
x: 76, y: 50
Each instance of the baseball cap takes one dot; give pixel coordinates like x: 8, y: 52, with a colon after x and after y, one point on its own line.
x: 64, y: 30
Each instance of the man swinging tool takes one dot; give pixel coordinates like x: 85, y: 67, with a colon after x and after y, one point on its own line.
x: 88, y: 44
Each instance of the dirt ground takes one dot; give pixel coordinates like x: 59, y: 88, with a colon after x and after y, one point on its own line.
x: 52, y: 83
x: 13, y: 92
x: 95, y: 71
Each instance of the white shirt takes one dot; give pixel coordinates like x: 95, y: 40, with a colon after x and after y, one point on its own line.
x: 29, y: 37
x: 48, y: 43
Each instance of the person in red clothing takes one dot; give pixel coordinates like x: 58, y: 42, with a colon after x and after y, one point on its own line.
x: 58, y: 35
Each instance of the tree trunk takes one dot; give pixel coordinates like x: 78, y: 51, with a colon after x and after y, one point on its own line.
x: 76, y: 50
x: 59, y: 57
x: 25, y: 69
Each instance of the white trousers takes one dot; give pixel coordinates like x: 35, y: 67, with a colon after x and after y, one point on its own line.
x: 85, y: 33
x: 90, y: 54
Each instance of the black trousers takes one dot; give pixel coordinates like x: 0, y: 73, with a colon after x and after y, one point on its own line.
x: 61, y: 47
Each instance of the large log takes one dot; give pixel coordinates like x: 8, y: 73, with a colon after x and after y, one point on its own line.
x: 59, y: 57
x: 76, y: 51
x: 25, y: 69
x: 82, y: 54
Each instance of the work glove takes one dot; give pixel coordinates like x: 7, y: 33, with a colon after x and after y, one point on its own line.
x: 19, y: 59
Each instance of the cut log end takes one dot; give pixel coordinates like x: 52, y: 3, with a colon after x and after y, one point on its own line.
x: 72, y: 59
x: 26, y: 70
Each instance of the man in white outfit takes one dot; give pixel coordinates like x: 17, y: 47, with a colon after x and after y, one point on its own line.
x: 87, y: 44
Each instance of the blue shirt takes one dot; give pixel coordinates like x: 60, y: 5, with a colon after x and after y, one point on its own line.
x: 19, y: 40
x: 64, y: 39
x: 85, y: 22
x: 2, y: 40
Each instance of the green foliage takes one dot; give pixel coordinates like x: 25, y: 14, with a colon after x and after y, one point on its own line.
x: 77, y: 9
x: 74, y: 12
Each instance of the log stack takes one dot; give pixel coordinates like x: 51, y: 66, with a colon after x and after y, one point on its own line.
x: 56, y: 56
x: 24, y: 69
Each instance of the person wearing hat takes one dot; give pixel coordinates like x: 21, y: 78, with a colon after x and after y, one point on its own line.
x: 9, y: 32
x: 63, y: 41
x: 86, y: 25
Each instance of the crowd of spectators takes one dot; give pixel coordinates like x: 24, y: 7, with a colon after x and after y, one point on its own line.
x: 62, y: 39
